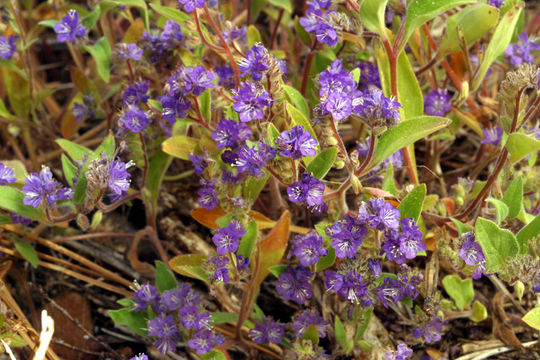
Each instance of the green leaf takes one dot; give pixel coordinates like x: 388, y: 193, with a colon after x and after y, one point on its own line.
x: 75, y: 151
x: 214, y: 354
x: 521, y: 145
x: 180, y: 146
x: 284, y: 4
x: 191, y: 266
x: 206, y: 102
x: 91, y: 19
x: 141, y: 4
x: 304, y: 36
x: 461, y: 291
x: 403, y: 134
x: 497, y: 244
x: 277, y: 270
x: 165, y: 279
x: 532, y: 318
x: 70, y: 170
x: 462, y: 228
x: 253, y: 35
x: 295, y: 97
x: 5, y: 219
x: 253, y: 186
x: 527, y: 233
x: 12, y: 199
x: 48, y: 23
x: 322, y: 163
x: 372, y: 15
x: 101, y: 52
x: 473, y: 22
x: 217, y: 318
x: 159, y: 163
x: 247, y: 243
x: 170, y: 13
x: 513, y: 197
x: 130, y: 318
x: 28, y: 252
x: 326, y: 261
x: 341, y: 335
x: 421, y: 11
x: 499, y: 42
x: 479, y: 312
x: 388, y: 183
x: 4, y: 111
x: 501, y: 210
x: 363, y: 322
x: 311, y: 334
x: 298, y: 118
x: 411, y: 206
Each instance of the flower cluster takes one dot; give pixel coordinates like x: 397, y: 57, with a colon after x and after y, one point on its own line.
x: 178, y: 303
x: 307, y: 318
x: 70, y: 28
x: 471, y: 253
x: 310, y: 190
x: 269, y: 331
x: 129, y: 51
x: 255, y: 62
x: 431, y: 332
x: 520, y: 53
x: 437, y: 102
x: 309, y: 248
x: 160, y: 44
x: 294, y: 284
x: 250, y: 101
x: 191, y: 5
x: 250, y: 160
x: 230, y: 134
x: 316, y: 22
x: 227, y: 238
x: 42, y: 187
x: 296, y: 143
x: 370, y: 79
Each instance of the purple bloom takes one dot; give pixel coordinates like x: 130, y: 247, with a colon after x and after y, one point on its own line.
x: 146, y: 296
x: 200, y: 163
x: 207, y: 197
x: 188, y: 316
x: 293, y: 284
x: 235, y: 32
x: 19, y: 219
x: 7, y: 47
x: 347, y: 235
x: 492, y: 136
x: 37, y: 187
x: 496, y: 3
x: 353, y: 289
x: 296, y: 143
x: 191, y: 5
x: 307, y: 318
x: 309, y: 248
x: 339, y: 105
x: 269, y: 331
x: 188, y: 79
x: 375, y: 267
x: 432, y: 330
x: 226, y: 76
x: 250, y: 160
x: 163, y: 326
x: 310, y: 190
x: 119, y: 177
x: 392, y: 247
x: 388, y: 215
x: 333, y: 281
x: 173, y: 299
x: 80, y: 111
x: 471, y: 252
x: 521, y: 53
x: 411, y: 239
x: 402, y: 353
x: 174, y: 107
x: 136, y: 93
x: 437, y: 102
x: 202, y: 341
x: 376, y: 106
x: 326, y: 34
x: 140, y: 357
x: 227, y: 239
x: 536, y: 287
x: 230, y: 133
x: 251, y: 99
x: 369, y: 77
x: 389, y: 291
x: 134, y: 119
x: 69, y: 29
x: 129, y: 51
x: 171, y: 34
x: 255, y: 62
x: 6, y: 175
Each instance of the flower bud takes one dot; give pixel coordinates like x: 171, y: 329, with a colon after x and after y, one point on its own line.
x: 83, y: 222
x: 519, y: 288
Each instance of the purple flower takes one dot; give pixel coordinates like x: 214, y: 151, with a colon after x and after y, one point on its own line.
x: 200, y: 163
x: 536, y: 287
x: 347, y: 235
x: 145, y: 296
x: 432, y: 330
x: 296, y: 143
x: 411, y: 239
x: 293, y: 284
x: 140, y: 357
x: 339, y: 105
x: 119, y: 177
x: 163, y: 326
x: 251, y: 99
x: 226, y: 76
x: 307, y: 318
x: 43, y: 186
x: 80, y: 111
x: 388, y: 215
x: 7, y: 47
x: 326, y: 34
x: 378, y: 107
x: 230, y: 133
x: 333, y: 281
x: 255, y: 62
x: 19, y: 219
x: 250, y: 160
x: 188, y: 79
x: 129, y: 51
x: 369, y: 77
x: 353, y: 289
x: 207, y: 197
x: 174, y: 107
x: 134, y: 119
x: 375, y: 267
x: 471, y: 252
x: 269, y: 331
x: 69, y: 29
x: 437, y: 102
x: 172, y: 299
x: 234, y: 32
x: 389, y: 291
x: 492, y: 136
x: 171, y: 34
x: 227, y: 239
x: 188, y: 316
x: 202, y: 341
x: 392, y: 247
x: 310, y: 190
x: 190, y: 5
x: 309, y: 248
x: 136, y: 93
x: 521, y: 53
x: 6, y: 175
x: 496, y: 3
x: 402, y: 353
